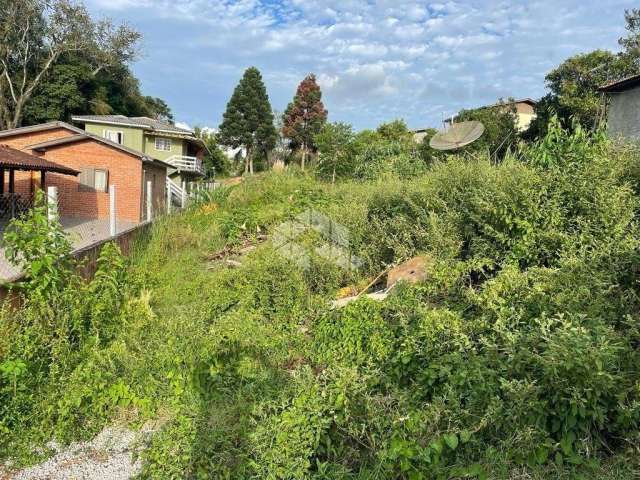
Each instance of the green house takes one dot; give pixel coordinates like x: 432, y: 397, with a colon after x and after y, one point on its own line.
x: 176, y: 146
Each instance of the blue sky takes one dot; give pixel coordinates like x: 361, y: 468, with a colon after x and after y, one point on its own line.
x: 376, y: 60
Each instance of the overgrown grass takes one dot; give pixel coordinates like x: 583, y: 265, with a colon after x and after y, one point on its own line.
x: 516, y: 358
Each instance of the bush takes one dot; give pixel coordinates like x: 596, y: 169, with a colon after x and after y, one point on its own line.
x: 516, y: 357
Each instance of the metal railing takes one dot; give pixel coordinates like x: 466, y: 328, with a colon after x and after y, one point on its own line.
x: 180, y: 195
x: 186, y: 163
x: 13, y: 205
x: 175, y: 193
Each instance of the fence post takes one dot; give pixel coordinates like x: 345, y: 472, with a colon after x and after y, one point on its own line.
x: 52, y: 203
x: 149, y: 200
x: 112, y: 210
x: 184, y: 193
x: 168, y: 187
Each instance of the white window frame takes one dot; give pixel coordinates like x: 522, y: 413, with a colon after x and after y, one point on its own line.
x: 119, y: 135
x: 105, y: 173
x: 161, y: 143
x: 87, y: 180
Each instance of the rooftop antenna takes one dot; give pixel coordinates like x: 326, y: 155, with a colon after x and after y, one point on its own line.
x: 458, y: 135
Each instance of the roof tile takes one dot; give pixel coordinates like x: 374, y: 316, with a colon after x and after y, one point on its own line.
x: 12, y: 158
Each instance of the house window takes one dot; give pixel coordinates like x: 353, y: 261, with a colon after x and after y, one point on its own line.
x: 100, y: 180
x: 113, y: 135
x: 93, y: 180
x: 163, y: 144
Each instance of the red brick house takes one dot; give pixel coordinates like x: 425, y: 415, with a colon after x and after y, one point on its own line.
x: 101, y: 163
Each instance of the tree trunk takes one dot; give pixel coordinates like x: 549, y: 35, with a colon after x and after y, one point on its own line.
x: 304, y: 155
x: 247, y: 160
x: 17, y: 113
x: 333, y: 176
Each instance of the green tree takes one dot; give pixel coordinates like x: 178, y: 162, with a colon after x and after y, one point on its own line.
x: 158, y: 109
x: 335, y: 144
x: 428, y: 154
x: 573, y: 89
x: 500, y: 129
x: 395, y: 130
x: 71, y: 88
x: 573, y: 86
x: 305, y: 116
x: 248, y: 120
x: 631, y: 43
x: 35, y: 34
x: 215, y: 161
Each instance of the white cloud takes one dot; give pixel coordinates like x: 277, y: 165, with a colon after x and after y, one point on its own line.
x: 374, y: 59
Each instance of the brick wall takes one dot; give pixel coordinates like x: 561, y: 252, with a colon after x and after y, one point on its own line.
x: 27, y: 182
x: 22, y: 140
x: 125, y: 172
x: 157, y: 175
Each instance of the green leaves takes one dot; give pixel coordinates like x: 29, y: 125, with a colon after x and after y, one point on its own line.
x: 248, y: 119
x: 305, y: 115
x: 451, y: 439
x: 41, y: 249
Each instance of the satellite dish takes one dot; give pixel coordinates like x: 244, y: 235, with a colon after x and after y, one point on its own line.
x: 457, y: 136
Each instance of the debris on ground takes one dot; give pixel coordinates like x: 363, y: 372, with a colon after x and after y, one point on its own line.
x: 412, y: 271
x: 111, y: 455
x: 341, y: 302
x: 222, y: 255
x: 345, y: 292
x: 232, y: 181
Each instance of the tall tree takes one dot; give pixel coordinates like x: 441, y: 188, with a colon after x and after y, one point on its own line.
x: 158, y: 109
x: 573, y: 86
x: 281, y: 150
x: 631, y: 43
x: 215, y: 161
x: 34, y: 34
x: 71, y: 88
x: 305, y: 116
x: 335, y: 143
x: 573, y: 89
x: 248, y: 120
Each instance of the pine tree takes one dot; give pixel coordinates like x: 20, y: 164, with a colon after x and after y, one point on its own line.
x: 305, y: 116
x: 248, y: 121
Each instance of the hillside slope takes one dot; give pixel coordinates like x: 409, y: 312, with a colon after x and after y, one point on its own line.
x: 517, y: 357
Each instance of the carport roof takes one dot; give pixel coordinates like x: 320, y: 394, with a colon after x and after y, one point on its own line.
x: 13, y: 159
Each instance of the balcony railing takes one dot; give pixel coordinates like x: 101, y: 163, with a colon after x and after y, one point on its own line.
x: 185, y: 163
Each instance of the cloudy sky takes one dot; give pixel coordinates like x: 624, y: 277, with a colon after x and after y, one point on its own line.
x: 376, y: 60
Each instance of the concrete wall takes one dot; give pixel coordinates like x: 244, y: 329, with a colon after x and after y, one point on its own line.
x: 624, y: 114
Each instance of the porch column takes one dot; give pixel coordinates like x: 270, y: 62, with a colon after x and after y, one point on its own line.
x: 42, y: 178
x: 12, y: 180
x: 1, y: 181
x: 52, y: 204
x: 149, y: 200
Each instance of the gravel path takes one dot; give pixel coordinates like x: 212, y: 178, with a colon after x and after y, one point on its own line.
x: 109, y: 456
